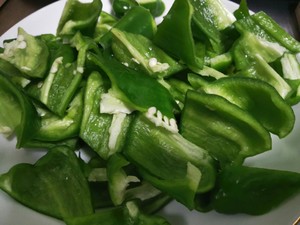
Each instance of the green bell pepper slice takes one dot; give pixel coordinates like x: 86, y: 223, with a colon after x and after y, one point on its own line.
x: 118, y: 179
x: 83, y: 45
x: 256, y: 97
x: 261, y: 70
x: 55, y: 128
x: 138, y: 52
x: 242, y: 11
x: 174, y: 34
x: 137, y: 20
x: 120, y: 7
x: 276, y: 31
x: 59, y: 87
x: 128, y: 85
x: 94, y: 130
x: 290, y: 66
x: 104, y: 131
x: 57, y: 47
x: 17, y: 113
x: 72, y: 143
x: 128, y: 214
x: 15, y: 75
x: 121, y: 175
x: 78, y: 16
x: 254, y: 191
x: 105, y: 23
x: 212, y: 18
x: 253, y: 56
x: 168, y: 161
x: 64, y: 77
x: 156, y: 7
x: 227, y: 132
x: 20, y: 52
x: 250, y: 45
x: 247, y: 24
x: 54, y: 185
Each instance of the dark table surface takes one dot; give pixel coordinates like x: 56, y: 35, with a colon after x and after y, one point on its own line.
x: 282, y: 11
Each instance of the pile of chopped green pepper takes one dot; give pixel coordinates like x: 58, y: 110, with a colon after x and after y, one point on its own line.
x: 167, y: 111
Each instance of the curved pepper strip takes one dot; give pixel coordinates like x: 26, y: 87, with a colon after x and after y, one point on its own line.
x: 57, y: 48
x: 168, y: 161
x: 137, y: 20
x: 55, y: 128
x: 174, y: 34
x: 19, y: 53
x: 254, y: 62
x: 15, y: 75
x: 118, y: 179
x: 256, y: 97
x: 59, y: 87
x: 156, y: 7
x: 129, y: 84
x: 255, y: 191
x: 94, y: 128
x: 242, y: 11
x: 227, y: 132
x: 54, y: 185
x: 64, y: 77
x: 276, y: 31
x: 78, y: 16
x: 212, y: 18
x: 105, y: 23
x: 17, y: 113
x: 120, y: 174
x: 138, y: 52
x: 120, y: 7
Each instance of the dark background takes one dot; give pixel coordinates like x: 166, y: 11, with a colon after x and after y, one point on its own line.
x: 282, y: 11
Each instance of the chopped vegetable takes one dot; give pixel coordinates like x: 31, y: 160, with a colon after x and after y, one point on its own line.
x: 253, y: 190
x: 19, y: 52
x: 132, y: 114
x: 54, y: 185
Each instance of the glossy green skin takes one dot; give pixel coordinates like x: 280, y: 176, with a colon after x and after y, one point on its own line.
x: 78, y: 16
x: 120, y: 7
x: 128, y: 84
x: 17, y: 112
x: 173, y: 163
x: 118, y: 215
x: 54, y: 185
x: 174, y: 34
x: 137, y: 20
x: 254, y: 191
x: 128, y: 46
x: 226, y: 131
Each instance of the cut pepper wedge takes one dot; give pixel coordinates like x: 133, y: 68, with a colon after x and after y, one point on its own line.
x: 168, y: 161
x: 256, y: 97
x: 128, y: 84
x: 254, y: 191
x: 174, y: 34
x: 226, y: 131
x: 137, y: 20
x: 17, y: 113
x: 54, y: 185
x: 78, y: 16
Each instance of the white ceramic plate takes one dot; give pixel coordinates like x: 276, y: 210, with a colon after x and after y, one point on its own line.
x: 285, y: 155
